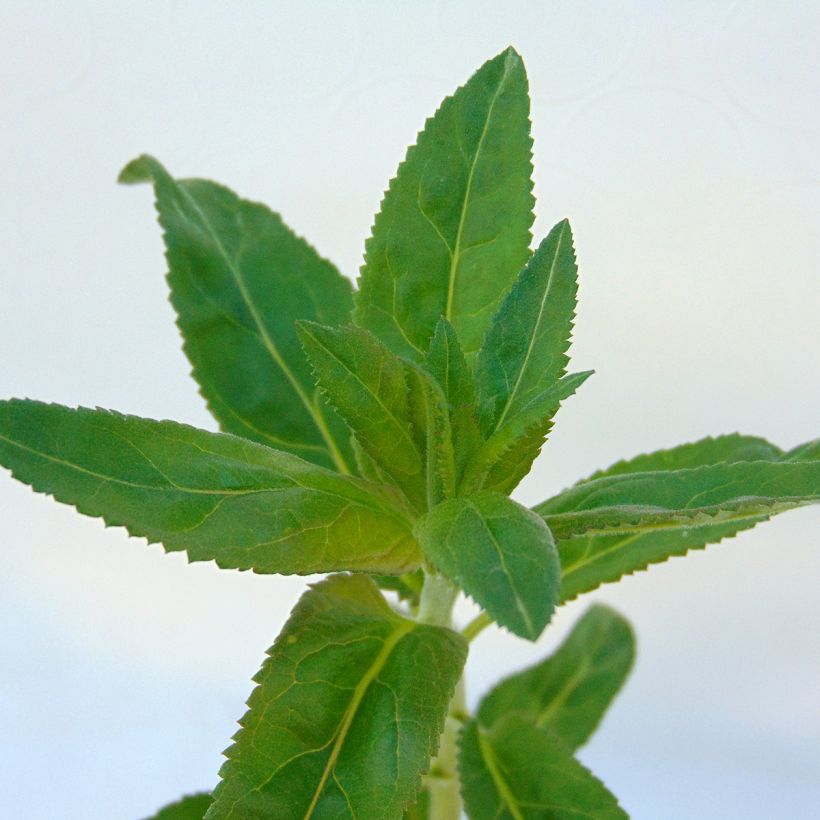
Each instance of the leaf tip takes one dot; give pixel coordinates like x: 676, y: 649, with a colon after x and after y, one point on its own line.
x: 137, y: 171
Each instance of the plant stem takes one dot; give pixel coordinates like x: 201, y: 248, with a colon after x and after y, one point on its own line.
x: 435, y: 607
x: 436, y: 602
x: 476, y: 626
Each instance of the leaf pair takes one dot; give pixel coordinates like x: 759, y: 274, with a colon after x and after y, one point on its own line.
x: 655, y: 506
x: 516, y: 758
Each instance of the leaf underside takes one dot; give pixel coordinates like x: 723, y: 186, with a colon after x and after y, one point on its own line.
x: 340, y: 723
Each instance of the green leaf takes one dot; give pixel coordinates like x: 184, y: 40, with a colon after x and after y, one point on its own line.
x: 570, y: 691
x: 367, y: 385
x: 214, y: 495
x: 810, y: 451
x: 717, y: 450
x: 454, y: 226
x: 420, y: 810
x: 346, y: 714
x: 445, y: 361
x: 430, y: 419
x: 636, y: 502
x: 499, y: 553
x: 239, y: 277
x: 524, y: 352
x: 507, y: 455
x: 517, y: 771
x: 622, y: 522
x: 192, y: 807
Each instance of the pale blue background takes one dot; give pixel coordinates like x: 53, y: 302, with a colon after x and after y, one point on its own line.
x: 681, y: 139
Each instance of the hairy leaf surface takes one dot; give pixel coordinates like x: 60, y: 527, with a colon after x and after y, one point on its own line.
x: 518, y: 771
x: 507, y: 455
x: 239, y: 277
x: 570, y: 691
x: 342, y: 722
x: 499, y: 553
x: 192, y: 807
x: 669, y: 512
x: 454, y: 226
x: 445, y: 361
x: 214, y: 495
x: 367, y: 384
x: 524, y: 352
x: 637, y: 502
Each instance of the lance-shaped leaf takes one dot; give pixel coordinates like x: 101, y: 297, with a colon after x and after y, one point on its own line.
x: 499, y: 553
x: 651, y: 536
x: 430, y: 419
x: 346, y: 714
x: 239, y: 277
x: 570, y: 691
x: 454, y: 226
x: 517, y: 771
x: 445, y: 361
x: 524, y: 351
x: 214, y: 495
x: 636, y: 502
x: 192, y: 807
x: 507, y: 455
x: 367, y: 384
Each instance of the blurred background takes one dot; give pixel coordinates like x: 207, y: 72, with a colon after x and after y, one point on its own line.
x: 680, y: 138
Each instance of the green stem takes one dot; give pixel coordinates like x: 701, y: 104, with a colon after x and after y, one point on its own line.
x: 476, y: 626
x: 435, y: 607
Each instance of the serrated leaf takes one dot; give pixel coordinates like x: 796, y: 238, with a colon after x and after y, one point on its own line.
x: 216, y: 496
x: 570, y: 691
x: 192, y: 807
x: 517, y: 771
x: 239, y: 277
x: 430, y: 421
x: 810, y: 451
x: 637, y: 502
x: 445, y: 361
x: 346, y: 713
x: 626, y: 521
x: 420, y: 809
x: 499, y: 553
x: 453, y: 230
x: 507, y: 455
x: 524, y: 351
x: 710, y: 450
x: 367, y: 385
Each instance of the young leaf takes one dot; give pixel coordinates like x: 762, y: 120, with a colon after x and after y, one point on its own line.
x: 637, y: 502
x: 454, y: 226
x: 499, y: 553
x: 810, y: 451
x: 192, y: 807
x: 445, y: 361
x: 669, y: 512
x: 367, y: 384
x: 524, y: 351
x: 239, y: 278
x: 407, y: 586
x: 216, y: 496
x: 346, y: 713
x: 430, y: 420
x: 507, y: 455
x: 517, y: 771
x: 570, y: 691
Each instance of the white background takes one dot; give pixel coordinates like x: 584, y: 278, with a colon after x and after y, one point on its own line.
x: 680, y: 138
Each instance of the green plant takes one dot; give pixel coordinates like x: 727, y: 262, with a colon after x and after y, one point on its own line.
x: 377, y: 435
